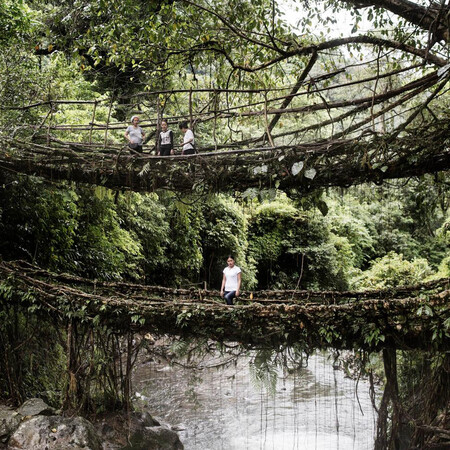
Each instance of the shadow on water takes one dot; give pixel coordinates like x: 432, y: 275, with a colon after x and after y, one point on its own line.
x: 228, y: 408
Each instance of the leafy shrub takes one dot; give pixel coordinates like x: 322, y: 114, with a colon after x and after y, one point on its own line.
x: 224, y: 232
x: 289, y: 246
x: 393, y: 270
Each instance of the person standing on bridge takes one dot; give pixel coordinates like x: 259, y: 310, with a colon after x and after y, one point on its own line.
x: 188, y: 139
x: 231, y: 281
x: 135, y: 135
x: 165, y: 140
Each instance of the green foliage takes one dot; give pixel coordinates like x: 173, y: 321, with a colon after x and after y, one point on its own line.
x: 20, y: 83
x: 329, y: 334
x: 37, y: 223
x: 65, y: 230
x: 352, y: 224
x: 264, y: 370
x: 183, y: 254
x: 224, y: 232
x: 122, y: 44
x: 367, y: 224
x: 373, y: 335
x: 103, y: 248
x: 345, y: 261
x: 15, y: 21
x: 443, y: 232
x: 393, y: 270
x: 125, y: 46
x: 73, y: 363
x: 32, y: 358
x: 146, y: 220
x: 406, y: 222
x: 444, y: 268
x: 287, y: 245
x: 29, y: 79
x: 423, y: 383
x: 161, y: 240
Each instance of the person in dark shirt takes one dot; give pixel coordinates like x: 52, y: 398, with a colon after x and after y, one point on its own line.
x: 165, y: 140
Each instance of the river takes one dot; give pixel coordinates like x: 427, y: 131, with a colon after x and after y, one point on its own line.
x: 314, y: 407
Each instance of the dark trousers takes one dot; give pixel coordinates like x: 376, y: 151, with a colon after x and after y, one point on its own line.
x: 135, y: 147
x: 228, y: 296
x: 165, y: 151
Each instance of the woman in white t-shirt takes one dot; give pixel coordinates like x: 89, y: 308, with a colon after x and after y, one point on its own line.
x: 135, y: 135
x: 231, y: 281
x: 188, y: 139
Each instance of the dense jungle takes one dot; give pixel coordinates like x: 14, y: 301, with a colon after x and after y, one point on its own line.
x: 322, y: 139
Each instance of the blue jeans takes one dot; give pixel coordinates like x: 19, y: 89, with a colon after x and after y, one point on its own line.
x: 228, y: 296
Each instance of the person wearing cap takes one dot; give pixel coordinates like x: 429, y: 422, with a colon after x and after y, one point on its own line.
x: 135, y: 135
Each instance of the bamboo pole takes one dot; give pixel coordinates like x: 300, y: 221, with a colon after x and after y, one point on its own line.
x: 216, y: 102
x: 158, y: 124
x: 190, y: 110
x: 266, y: 120
x: 92, y: 123
x: 107, y: 123
x: 49, y: 123
x: 41, y: 124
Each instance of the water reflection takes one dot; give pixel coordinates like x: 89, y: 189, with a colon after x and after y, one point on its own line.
x: 315, y: 407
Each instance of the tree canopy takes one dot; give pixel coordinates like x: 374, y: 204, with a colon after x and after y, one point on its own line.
x: 245, y: 76
x: 297, y: 96
x: 278, y: 100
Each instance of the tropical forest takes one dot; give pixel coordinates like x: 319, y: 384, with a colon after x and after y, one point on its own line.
x: 224, y: 224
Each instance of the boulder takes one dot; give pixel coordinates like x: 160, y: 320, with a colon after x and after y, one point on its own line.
x: 36, y: 407
x: 55, y: 433
x: 35, y: 426
x: 9, y: 421
x: 143, y: 432
x: 154, y: 438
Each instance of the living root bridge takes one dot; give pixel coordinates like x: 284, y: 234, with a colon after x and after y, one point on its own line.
x: 365, y: 320
x: 304, y: 168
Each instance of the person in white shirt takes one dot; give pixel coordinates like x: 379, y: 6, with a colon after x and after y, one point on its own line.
x: 135, y: 135
x: 231, y: 281
x: 188, y: 139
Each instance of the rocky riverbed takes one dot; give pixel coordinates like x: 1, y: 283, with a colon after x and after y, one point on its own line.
x: 35, y: 425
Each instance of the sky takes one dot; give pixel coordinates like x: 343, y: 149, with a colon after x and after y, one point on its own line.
x: 293, y: 11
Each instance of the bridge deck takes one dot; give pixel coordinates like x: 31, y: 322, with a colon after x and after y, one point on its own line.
x: 367, y: 320
x: 304, y: 167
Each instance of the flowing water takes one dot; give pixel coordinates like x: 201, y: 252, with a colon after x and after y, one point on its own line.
x: 314, y: 407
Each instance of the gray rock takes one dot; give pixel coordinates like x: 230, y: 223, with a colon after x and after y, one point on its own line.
x: 36, y: 407
x: 136, y: 431
x: 9, y: 421
x: 143, y: 419
x: 55, y: 433
x: 155, y: 438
